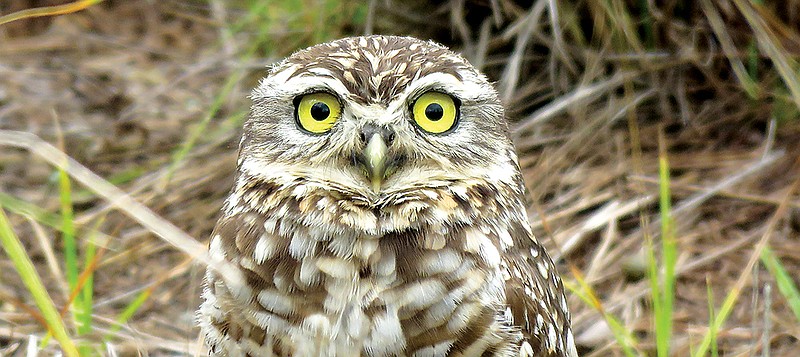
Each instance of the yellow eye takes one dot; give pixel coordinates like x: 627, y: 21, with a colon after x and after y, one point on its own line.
x: 317, y: 112
x: 435, y: 112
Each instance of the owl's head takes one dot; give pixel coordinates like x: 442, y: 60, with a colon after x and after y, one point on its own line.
x: 375, y: 116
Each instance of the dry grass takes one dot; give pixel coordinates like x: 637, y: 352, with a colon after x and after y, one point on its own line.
x: 589, y: 86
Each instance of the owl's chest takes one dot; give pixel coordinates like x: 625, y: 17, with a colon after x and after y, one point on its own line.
x: 348, y: 293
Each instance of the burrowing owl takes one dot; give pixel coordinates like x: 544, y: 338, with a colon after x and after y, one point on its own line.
x: 378, y: 211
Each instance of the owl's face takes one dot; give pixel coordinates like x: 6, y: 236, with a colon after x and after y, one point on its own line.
x: 373, y: 117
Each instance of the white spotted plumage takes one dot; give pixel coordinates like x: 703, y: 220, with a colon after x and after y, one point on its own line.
x: 438, y: 260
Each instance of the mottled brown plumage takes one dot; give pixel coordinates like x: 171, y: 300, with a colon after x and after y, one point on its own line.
x: 377, y: 235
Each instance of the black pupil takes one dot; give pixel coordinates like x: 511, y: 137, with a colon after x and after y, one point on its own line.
x: 320, y: 111
x: 434, y: 111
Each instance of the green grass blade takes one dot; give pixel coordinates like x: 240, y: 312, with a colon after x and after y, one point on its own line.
x: 752, y: 59
x: 652, y: 277
x: 712, y: 332
x: 647, y: 23
x: 68, y: 229
x: 664, y: 296
x: 786, y: 284
x: 730, y: 50
x: 772, y: 46
x: 733, y: 294
x: 28, y: 209
x: 719, y: 319
x: 752, y: 52
x: 86, y: 296
x: 22, y: 263
x: 625, y: 338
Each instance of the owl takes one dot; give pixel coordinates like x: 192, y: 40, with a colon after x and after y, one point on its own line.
x: 378, y: 210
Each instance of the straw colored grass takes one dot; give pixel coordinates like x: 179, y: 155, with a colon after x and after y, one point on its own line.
x: 114, y: 209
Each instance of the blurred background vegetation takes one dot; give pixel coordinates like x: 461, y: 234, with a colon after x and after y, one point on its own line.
x: 658, y: 139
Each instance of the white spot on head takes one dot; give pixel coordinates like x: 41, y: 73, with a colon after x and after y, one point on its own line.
x: 345, y: 62
x: 348, y: 76
x: 320, y: 71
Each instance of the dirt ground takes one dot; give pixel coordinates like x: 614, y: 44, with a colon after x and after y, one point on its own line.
x: 126, y: 88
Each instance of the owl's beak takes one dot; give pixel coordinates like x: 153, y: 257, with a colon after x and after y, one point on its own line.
x: 375, y: 160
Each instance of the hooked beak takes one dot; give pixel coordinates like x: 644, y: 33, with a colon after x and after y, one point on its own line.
x: 375, y: 159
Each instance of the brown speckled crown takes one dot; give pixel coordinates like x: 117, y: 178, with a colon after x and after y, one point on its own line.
x: 375, y: 69
x: 439, y: 260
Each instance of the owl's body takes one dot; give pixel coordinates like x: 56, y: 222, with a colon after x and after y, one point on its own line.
x: 363, y: 228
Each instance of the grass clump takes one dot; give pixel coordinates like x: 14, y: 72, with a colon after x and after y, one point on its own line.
x: 662, y: 279
x: 25, y: 268
x: 152, y: 96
